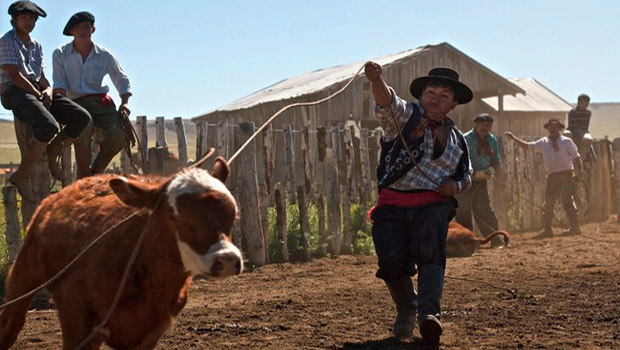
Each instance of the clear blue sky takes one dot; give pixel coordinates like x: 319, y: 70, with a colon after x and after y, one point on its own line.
x: 188, y: 57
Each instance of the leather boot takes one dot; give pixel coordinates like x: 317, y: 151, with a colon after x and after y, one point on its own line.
x: 404, y: 297
x: 54, y: 151
x: 574, y: 226
x: 22, y: 177
x: 430, y: 288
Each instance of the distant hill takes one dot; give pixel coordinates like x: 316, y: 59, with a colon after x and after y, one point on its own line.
x: 605, y: 120
x: 9, y: 151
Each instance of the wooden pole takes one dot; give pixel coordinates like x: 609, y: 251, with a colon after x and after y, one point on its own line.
x: 269, y: 158
x: 616, y: 157
x: 222, y: 139
x: 290, y: 162
x: 248, y: 196
x: 143, y: 136
x: 12, y: 233
x: 305, y: 148
x: 320, y: 207
x: 332, y: 189
x: 125, y: 163
x: 365, y: 163
x: 160, y: 133
x: 304, y: 222
x: 66, y: 166
x: 202, y: 130
x: 263, y: 202
x: 181, y: 140
x: 157, y: 156
x: 281, y: 223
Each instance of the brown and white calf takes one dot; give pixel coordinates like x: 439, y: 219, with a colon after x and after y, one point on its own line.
x: 189, y: 235
x: 462, y: 242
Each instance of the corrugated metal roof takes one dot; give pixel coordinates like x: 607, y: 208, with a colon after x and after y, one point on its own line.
x: 538, y: 98
x: 309, y: 83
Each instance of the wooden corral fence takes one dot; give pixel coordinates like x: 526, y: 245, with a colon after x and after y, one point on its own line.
x: 332, y: 168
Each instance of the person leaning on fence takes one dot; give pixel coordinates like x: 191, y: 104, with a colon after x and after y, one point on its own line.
x: 560, y: 155
x: 26, y: 91
x: 79, y: 69
x: 485, y: 159
x: 416, y: 196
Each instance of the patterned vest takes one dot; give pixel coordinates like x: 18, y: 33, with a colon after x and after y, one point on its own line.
x: 395, y: 161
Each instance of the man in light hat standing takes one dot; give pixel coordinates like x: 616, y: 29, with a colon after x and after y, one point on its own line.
x: 424, y: 163
x: 79, y: 69
x: 560, y: 157
x: 485, y: 160
x: 26, y: 91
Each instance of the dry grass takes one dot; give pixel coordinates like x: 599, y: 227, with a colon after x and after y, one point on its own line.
x: 9, y: 151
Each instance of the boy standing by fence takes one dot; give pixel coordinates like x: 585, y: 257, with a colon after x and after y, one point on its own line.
x: 424, y: 163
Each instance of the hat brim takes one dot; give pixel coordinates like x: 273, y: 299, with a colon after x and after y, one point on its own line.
x: 462, y: 93
x: 546, y: 126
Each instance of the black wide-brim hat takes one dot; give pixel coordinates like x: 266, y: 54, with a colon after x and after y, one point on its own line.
x: 21, y: 6
x: 554, y: 121
x: 76, y: 19
x: 462, y: 93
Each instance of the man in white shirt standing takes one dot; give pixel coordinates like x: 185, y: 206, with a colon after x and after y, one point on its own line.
x: 79, y: 69
x: 559, y: 156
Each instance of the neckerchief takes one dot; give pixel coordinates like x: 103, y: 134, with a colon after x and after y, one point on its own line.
x: 437, y: 128
x: 484, y: 145
x: 554, y: 143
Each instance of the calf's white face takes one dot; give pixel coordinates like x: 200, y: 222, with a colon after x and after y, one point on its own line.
x: 204, y: 212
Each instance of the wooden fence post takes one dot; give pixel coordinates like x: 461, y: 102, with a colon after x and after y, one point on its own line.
x: 248, y: 197
x: 305, y: 148
x: 156, y: 156
x: 222, y: 139
x: 181, y: 141
x: 290, y: 162
x: 269, y: 158
x: 143, y: 138
x: 66, y: 167
x: 280, y: 201
x: 13, y: 232
x: 347, y: 230
x: 616, y: 157
x: 125, y: 163
x: 304, y: 223
x: 332, y: 188
x: 320, y: 208
x: 365, y: 163
x: 263, y: 207
x: 202, y: 130
x: 160, y: 134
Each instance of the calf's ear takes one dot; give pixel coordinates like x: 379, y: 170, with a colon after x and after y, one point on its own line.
x: 220, y: 169
x: 135, y: 193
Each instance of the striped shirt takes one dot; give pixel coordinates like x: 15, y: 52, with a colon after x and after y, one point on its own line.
x: 79, y: 77
x: 28, y: 58
x: 437, y: 169
x: 579, y: 120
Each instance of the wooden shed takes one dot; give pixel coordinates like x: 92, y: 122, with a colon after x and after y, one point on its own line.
x: 356, y: 102
x: 525, y: 114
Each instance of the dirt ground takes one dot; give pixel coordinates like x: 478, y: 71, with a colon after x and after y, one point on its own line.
x: 566, y: 296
